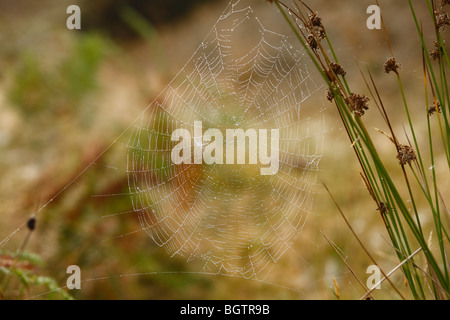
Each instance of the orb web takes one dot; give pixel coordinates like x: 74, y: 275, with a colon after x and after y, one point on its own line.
x: 229, y: 217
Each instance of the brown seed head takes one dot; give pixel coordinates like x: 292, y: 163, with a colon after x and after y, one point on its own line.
x: 445, y: 2
x: 391, y: 65
x: 321, y: 33
x: 438, y: 52
x: 435, y: 55
x: 358, y: 104
x: 315, y: 20
x: 405, y: 154
x: 330, y: 95
x: 442, y: 19
x: 432, y: 109
x: 312, y: 42
x: 383, y: 208
x: 316, y: 26
x: 337, y: 69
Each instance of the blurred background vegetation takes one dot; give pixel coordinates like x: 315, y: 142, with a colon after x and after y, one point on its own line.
x: 66, y: 94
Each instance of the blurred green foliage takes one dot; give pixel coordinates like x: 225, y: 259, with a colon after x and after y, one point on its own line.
x: 38, y: 90
x: 21, y: 274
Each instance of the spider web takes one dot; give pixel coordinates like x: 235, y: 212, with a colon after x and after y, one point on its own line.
x: 228, y: 216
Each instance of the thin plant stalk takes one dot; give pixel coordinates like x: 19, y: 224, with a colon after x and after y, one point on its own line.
x: 403, y: 227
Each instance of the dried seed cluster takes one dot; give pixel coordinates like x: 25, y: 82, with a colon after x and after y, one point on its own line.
x: 312, y: 42
x: 432, y: 109
x: 315, y: 20
x: 383, y: 208
x: 405, y: 154
x: 316, y: 30
x: 315, y: 24
x: 442, y: 19
x: 391, y: 65
x: 438, y: 52
x: 337, y: 69
x: 330, y: 95
x: 358, y: 103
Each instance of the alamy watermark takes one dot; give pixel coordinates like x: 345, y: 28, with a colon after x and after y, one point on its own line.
x: 374, y: 280
x: 74, y: 20
x: 208, y: 147
x: 374, y: 20
x: 74, y: 280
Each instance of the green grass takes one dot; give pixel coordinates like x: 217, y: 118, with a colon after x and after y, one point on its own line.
x: 399, y: 211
